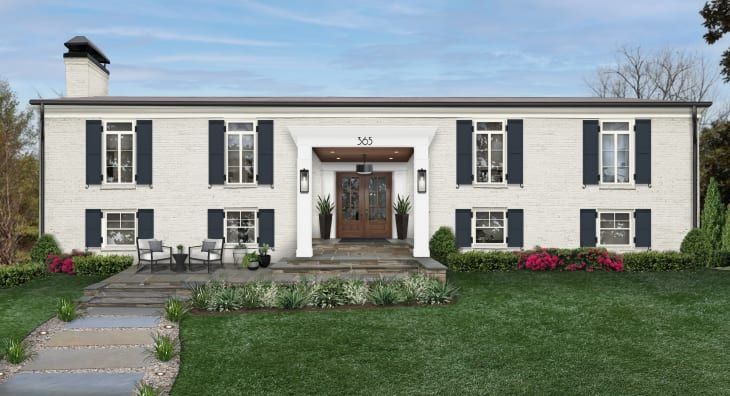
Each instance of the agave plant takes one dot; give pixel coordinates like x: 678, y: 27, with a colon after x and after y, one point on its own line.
x: 325, y: 206
x: 402, y: 205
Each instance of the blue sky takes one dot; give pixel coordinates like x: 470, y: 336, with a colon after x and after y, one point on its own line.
x: 348, y: 48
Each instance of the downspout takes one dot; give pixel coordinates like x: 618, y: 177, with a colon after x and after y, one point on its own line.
x: 695, y: 169
x: 42, y: 187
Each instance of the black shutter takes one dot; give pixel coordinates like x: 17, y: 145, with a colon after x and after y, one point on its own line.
x: 144, y: 152
x: 515, y: 226
x: 590, y: 152
x: 464, y: 173
x: 643, y: 227
x: 266, y: 227
x: 514, y: 151
x: 146, y: 223
x: 216, y: 151
x: 92, y: 229
x: 463, y: 227
x: 588, y: 227
x: 216, y: 217
x: 643, y: 151
x: 93, y: 152
x: 265, y: 156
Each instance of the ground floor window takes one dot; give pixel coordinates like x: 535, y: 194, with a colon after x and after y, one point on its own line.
x: 240, y: 226
x: 489, y: 227
x: 121, y: 228
x: 614, y: 228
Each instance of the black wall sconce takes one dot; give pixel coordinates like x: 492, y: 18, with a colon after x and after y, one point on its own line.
x: 421, y: 181
x: 304, y: 181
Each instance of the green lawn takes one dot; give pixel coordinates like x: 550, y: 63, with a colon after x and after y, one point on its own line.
x: 518, y: 332
x: 25, y: 307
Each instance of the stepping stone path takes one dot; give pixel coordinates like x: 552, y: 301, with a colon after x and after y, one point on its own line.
x: 104, y: 352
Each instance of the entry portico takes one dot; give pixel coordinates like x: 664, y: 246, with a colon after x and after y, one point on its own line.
x: 418, y: 138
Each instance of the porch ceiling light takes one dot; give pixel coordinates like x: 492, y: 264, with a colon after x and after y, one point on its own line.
x: 364, y: 168
x: 421, y: 181
x: 304, y: 181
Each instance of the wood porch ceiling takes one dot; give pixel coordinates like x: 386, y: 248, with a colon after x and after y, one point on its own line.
x: 354, y: 154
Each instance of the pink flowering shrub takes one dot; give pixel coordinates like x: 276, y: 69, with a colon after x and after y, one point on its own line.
x: 589, y: 260
x: 63, y: 263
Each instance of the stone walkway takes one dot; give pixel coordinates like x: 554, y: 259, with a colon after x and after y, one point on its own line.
x: 104, y: 352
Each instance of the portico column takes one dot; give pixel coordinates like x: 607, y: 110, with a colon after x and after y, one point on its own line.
x: 420, y: 202
x: 304, y: 204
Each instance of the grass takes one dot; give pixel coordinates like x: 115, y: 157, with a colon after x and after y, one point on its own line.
x: 25, y: 307
x: 517, y: 332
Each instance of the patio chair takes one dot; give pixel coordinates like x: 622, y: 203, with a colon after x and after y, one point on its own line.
x: 145, y: 254
x: 210, y: 251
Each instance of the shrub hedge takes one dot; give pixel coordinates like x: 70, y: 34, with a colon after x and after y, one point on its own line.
x: 478, y: 261
x: 658, y: 261
x: 17, y: 274
x: 442, y: 243
x: 101, y: 265
x: 46, y: 245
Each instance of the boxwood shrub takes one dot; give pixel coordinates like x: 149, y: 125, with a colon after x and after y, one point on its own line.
x: 658, y: 261
x: 442, y: 243
x: 17, y: 274
x: 478, y: 261
x: 101, y: 265
x: 45, y: 246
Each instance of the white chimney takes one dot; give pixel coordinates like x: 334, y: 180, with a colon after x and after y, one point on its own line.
x: 86, y: 72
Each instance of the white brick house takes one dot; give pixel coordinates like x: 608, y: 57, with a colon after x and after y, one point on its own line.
x: 505, y: 173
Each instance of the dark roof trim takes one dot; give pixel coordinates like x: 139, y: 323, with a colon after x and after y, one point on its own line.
x: 82, y: 47
x: 364, y: 102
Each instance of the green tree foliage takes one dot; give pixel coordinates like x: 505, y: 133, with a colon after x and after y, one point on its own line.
x: 17, y: 142
x: 716, y: 14
x: 715, y: 157
x: 725, y: 242
x: 713, y: 216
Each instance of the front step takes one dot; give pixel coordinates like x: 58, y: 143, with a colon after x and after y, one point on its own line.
x: 132, y: 295
x: 301, y: 266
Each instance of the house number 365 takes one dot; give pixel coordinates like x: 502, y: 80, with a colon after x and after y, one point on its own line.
x: 364, y: 140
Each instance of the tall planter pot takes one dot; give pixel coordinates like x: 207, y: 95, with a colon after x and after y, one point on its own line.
x: 401, y: 225
x: 325, y: 225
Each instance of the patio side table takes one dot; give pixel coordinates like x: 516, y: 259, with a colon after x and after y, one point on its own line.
x: 180, y: 261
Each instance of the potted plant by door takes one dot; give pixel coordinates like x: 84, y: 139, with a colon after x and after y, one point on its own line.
x: 251, y: 261
x: 264, y: 256
x: 402, y: 207
x: 325, y: 208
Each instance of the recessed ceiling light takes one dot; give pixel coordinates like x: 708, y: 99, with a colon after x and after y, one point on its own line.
x: 390, y: 158
x: 332, y: 152
x: 395, y: 152
x: 337, y: 158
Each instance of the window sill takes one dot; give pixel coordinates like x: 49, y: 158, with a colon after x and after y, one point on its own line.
x: 491, y: 185
x: 617, y: 187
x: 118, y: 186
x: 130, y: 248
x: 250, y: 247
x: 237, y: 186
x: 484, y: 246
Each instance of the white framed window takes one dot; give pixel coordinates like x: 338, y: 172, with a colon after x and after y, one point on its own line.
x: 119, y: 228
x: 119, y: 142
x: 490, y: 227
x: 616, y: 152
x: 241, y: 226
x: 615, y: 228
x: 490, y: 152
x: 240, y: 152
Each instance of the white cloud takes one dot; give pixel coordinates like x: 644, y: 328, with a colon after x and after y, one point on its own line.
x: 136, y: 31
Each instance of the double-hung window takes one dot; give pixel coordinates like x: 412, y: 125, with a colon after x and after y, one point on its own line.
x: 614, y: 228
x: 616, y: 152
x: 241, y: 226
x: 120, y: 228
x: 118, y: 151
x: 240, y: 153
x: 490, y: 152
x: 489, y: 227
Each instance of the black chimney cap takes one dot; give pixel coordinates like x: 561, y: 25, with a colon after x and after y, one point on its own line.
x: 80, y: 46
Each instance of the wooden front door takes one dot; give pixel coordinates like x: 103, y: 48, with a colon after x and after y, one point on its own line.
x: 364, y: 205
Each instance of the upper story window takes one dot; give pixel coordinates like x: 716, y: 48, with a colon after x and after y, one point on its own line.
x: 119, y: 153
x: 490, y: 152
x: 616, y: 153
x: 489, y: 227
x: 240, y: 226
x: 614, y: 228
x: 120, y: 228
x: 240, y: 153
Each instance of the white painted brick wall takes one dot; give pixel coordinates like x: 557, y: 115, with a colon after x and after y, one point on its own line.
x: 84, y: 78
x: 551, y: 198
